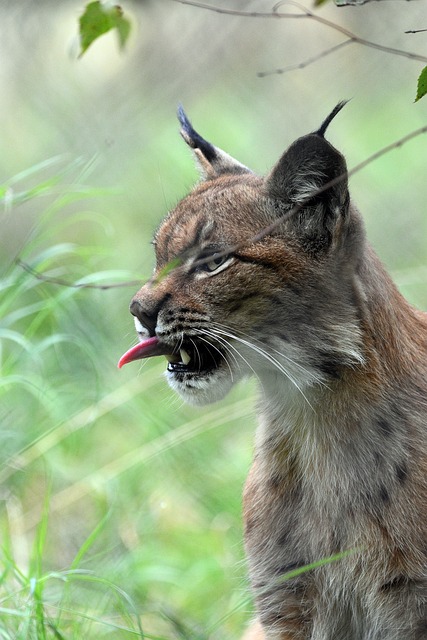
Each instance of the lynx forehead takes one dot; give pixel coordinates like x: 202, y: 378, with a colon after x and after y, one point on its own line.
x: 273, y: 277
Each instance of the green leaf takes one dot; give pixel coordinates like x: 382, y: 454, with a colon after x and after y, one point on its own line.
x: 318, y: 3
x: 422, y: 85
x: 170, y: 266
x: 122, y: 25
x: 99, y: 19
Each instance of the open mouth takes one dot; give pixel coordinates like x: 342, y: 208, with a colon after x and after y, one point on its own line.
x: 194, y: 357
x: 191, y: 357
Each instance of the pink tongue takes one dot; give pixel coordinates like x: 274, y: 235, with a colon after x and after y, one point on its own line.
x: 144, y: 349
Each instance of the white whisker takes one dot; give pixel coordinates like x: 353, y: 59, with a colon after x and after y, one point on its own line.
x: 230, y: 348
x: 197, y: 352
x: 280, y: 353
x: 217, y: 330
x: 204, y: 339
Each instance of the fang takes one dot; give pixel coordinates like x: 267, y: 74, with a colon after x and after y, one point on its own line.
x: 185, y: 358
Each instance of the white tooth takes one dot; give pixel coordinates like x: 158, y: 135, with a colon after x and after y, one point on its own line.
x: 185, y: 358
x: 139, y: 328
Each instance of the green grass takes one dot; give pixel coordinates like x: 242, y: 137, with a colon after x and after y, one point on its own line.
x: 120, y: 512
x: 120, y: 508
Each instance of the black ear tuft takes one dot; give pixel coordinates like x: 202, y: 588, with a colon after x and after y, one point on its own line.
x: 212, y: 161
x: 312, y: 175
x: 325, y: 124
x: 194, y: 139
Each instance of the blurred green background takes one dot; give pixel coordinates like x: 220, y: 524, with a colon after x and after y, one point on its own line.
x: 120, y: 507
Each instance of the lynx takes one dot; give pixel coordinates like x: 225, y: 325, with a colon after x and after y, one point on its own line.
x: 274, y: 277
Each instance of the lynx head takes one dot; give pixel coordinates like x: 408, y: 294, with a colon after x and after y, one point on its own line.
x: 255, y: 275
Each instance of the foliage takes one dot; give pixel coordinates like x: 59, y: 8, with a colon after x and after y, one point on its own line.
x: 422, y: 85
x: 99, y: 19
x: 93, y: 544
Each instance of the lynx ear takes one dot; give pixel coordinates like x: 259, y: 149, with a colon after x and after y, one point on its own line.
x: 301, y: 177
x: 212, y: 161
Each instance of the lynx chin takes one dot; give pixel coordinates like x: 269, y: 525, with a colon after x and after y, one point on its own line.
x: 274, y: 277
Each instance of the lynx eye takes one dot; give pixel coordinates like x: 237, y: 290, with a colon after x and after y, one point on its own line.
x: 213, y: 263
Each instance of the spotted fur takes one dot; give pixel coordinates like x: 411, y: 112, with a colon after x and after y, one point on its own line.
x: 340, y: 458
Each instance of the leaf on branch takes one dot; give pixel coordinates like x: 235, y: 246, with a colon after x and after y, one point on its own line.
x: 99, y: 19
x: 170, y: 266
x: 422, y: 85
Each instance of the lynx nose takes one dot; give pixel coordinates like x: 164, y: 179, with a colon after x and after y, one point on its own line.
x: 147, y: 317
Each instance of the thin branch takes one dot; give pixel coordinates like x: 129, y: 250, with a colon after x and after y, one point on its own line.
x: 308, y: 15
x: 397, y: 144
x: 416, y: 31
x: 281, y: 219
x: 229, y: 12
x: 244, y: 243
x: 306, y: 63
x: 73, y: 285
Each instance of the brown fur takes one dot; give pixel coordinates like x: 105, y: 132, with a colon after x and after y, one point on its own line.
x: 341, y: 449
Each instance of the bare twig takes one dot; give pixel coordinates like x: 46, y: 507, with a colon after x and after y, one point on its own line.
x: 73, y: 285
x: 416, y: 31
x: 244, y: 243
x: 281, y: 219
x: 307, y: 15
x: 306, y: 63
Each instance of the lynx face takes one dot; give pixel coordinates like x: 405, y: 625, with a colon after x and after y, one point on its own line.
x: 232, y: 306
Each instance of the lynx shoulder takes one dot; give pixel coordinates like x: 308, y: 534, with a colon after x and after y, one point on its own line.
x: 274, y: 277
